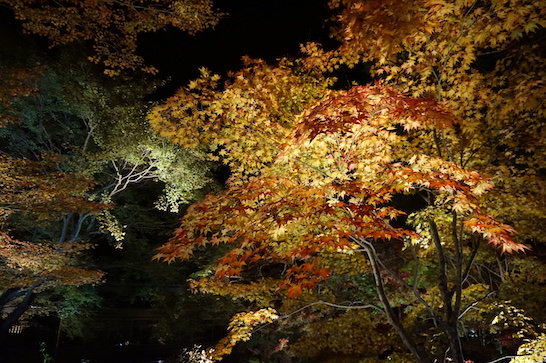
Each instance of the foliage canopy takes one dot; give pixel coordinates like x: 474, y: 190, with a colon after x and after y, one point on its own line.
x: 111, y: 26
x: 453, y: 127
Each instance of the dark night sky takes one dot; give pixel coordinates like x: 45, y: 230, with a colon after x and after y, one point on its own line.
x: 257, y: 28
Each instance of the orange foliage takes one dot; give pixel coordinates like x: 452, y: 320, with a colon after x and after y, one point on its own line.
x: 314, y: 187
x: 331, y: 186
x: 36, y: 187
x: 111, y: 26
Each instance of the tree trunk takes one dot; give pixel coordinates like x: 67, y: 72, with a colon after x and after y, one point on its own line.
x: 9, y: 295
x: 455, y: 347
x: 418, y: 351
x: 14, y: 316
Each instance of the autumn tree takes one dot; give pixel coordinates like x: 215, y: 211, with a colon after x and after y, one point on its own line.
x: 314, y: 198
x: 112, y: 27
x: 34, y: 190
x: 71, y: 147
x: 98, y: 123
x: 485, y: 62
x: 266, y: 97
x: 312, y: 190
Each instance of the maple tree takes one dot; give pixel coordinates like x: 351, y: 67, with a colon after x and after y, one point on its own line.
x: 111, y: 26
x: 357, y: 217
x: 72, y: 151
x: 311, y: 200
x: 484, y: 61
x: 34, y: 190
x: 327, y: 193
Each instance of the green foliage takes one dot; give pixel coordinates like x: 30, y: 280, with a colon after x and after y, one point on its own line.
x: 98, y: 124
x: 48, y: 122
x: 75, y: 306
x: 99, y: 146
x: 47, y: 357
x: 19, y: 73
x: 358, y: 287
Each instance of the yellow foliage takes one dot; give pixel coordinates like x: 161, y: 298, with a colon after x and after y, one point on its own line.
x: 532, y: 352
x: 240, y: 329
x: 246, y: 120
x: 315, y: 171
x: 439, y: 50
x: 351, y: 332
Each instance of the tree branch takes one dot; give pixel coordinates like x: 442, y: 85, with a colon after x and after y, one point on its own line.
x: 391, y: 316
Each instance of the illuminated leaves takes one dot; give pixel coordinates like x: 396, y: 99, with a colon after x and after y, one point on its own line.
x: 320, y: 193
x: 240, y: 329
x: 484, y: 63
x: 327, y: 196
x: 379, y: 107
x: 497, y: 233
x: 330, y: 186
x: 111, y: 26
x: 36, y: 187
x: 27, y: 263
x: 244, y: 122
x: 532, y: 351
